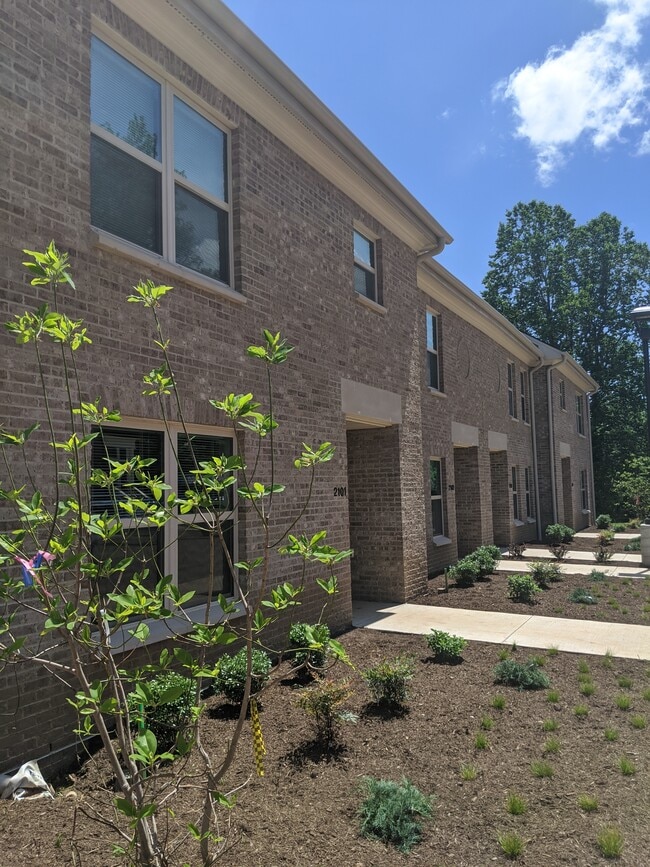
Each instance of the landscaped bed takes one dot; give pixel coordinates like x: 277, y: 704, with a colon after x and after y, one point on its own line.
x: 303, y: 811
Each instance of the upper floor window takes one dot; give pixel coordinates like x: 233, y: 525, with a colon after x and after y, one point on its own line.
x: 512, y: 398
x: 584, y: 490
x: 523, y: 396
x: 528, y: 478
x: 181, y: 547
x: 580, y: 414
x: 437, y: 514
x: 158, y: 167
x: 563, y: 395
x: 365, y: 267
x: 433, y: 366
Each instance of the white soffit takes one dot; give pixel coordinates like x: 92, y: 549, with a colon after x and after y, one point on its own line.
x: 463, y: 434
x: 368, y: 406
x: 214, y: 42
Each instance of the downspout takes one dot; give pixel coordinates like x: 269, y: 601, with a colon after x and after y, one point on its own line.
x: 429, y: 252
x: 533, y: 433
x: 591, y: 457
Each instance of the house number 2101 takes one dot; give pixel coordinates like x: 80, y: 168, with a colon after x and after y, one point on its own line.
x: 341, y: 492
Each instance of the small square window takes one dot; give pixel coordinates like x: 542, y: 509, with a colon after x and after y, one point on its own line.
x: 365, y: 268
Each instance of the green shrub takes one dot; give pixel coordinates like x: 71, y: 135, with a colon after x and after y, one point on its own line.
x: 231, y: 679
x: 523, y: 675
x: 619, y: 526
x: 545, y: 573
x: 302, y: 638
x: 388, y: 681
x: 390, y: 812
x: 597, y: 575
x: 170, y: 709
x: 466, y: 571
x: 582, y: 597
x: 605, y: 537
x: 522, y: 588
x: 559, y: 550
x: 323, y: 702
x: 516, y: 550
x: 633, y: 524
x: 488, y: 557
x: 602, y: 554
x: 445, y: 647
x: 633, y: 544
x: 603, y: 522
x: 559, y: 534
x: 610, y: 842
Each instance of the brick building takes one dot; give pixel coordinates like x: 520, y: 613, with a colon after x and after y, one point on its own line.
x: 161, y: 139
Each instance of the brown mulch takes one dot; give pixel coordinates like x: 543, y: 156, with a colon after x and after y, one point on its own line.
x: 303, y: 811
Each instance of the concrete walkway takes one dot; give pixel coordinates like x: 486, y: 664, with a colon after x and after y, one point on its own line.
x: 586, y: 557
x: 527, y: 630
x: 627, y: 535
x: 507, y: 565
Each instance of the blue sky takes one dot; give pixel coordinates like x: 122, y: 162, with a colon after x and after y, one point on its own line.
x: 475, y: 106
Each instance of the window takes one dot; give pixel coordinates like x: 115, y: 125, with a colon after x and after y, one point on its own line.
x: 437, y: 516
x: 562, y: 395
x: 365, y: 268
x: 528, y: 477
x: 584, y: 490
x: 512, y: 400
x: 580, y: 417
x: 433, y: 372
x: 523, y: 396
x: 158, y: 168
x: 515, y: 495
x: 181, y: 547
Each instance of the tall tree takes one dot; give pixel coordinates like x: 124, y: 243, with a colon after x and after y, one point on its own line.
x: 573, y: 287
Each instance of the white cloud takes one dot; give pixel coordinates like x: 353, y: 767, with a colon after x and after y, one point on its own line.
x: 644, y: 144
x: 594, y: 88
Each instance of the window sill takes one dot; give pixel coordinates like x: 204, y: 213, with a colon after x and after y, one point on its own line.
x: 112, y: 244
x: 514, y: 418
x: 530, y: 520
x: 586, y: 511
x: 371, y: 305
x: 584, y: 436
x: 518, y: 523
x: 436, y: 392
x: 527, y: 423
x: 162, y: 630
x: 439, y: 541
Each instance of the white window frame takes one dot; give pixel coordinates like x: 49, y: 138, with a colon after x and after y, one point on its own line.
x: 165, y: 167
x: 584, y: 490
x: 438, y: 538
x: 514, y: 472
x: 523, y: 397
x: 512, y: 390
x: 364, y: 266
x: 433, y: 350
x: 580, y: 415
x: 528, y: 475
x: 563, y: 395
x: 170, y: 549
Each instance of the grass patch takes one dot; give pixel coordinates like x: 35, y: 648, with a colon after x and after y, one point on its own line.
x: 499, y: 702
x: 588, y: 803
x: 481, y: 742
x: 627, y: 766
x: 623, y: 702
x: 551, y: 747
x: 468, y: 772
x: 511, y: 844
x: 587, y: 689
x: 581, y: 711
x: 487, y: 723
x: 638, y: 721
x: 553, y: 650
x: 542, y: 770
x: 583, y: 666
x: 552, y: 696
x: 611, y: 735
x: 550, y: 725
x: 608, y: 659
x: 610, y: 842
x: 625, y: 682
x: 516, y: 805
x: 646, y: 694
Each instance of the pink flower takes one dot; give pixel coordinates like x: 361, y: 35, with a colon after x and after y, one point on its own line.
x: 29, y: 567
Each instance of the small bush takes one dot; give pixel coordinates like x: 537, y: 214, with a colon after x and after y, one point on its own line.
x: 602, y: 554
x: 608, y: 659
x: 516, y: 805
x: 582, y: 597
x: 523, y: 675
x: 445, y: 647
x: 633, y: 524
x: 522, y: 588
x: 559, y: 534
x: 597, y: 575
x: 628, y: 768
x: 610, y: 842
x: 588, y: 803
x: 545, y: 573
x: 323, y: 703
x: 302, y: 638
x: 542, y: 770
x: 633, y: 544
x: 231, y: 680
x: 553, y: 650
x: 487, y: 556
x: 466, y: 571
x: 559, y: 551
x: 603, y: 522
x: 388, y: 681
x: 645, y: 695
x: 171, y: 709
x: 619, y: 526
x: 511, y: 844
x: 583, y: 666
x: 606, y: 537
x: 390, y: 812
x: 516, y: 550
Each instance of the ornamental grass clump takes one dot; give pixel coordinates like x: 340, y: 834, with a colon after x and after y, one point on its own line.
x: 523, y: 675
x: 610, y: 842
x: 388, y: 681
x: 392, y: 812
x: 444, y: 647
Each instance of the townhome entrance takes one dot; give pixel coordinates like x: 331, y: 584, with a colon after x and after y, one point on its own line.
x: 468, y: 499
x: 500, y: 497
x: 567, y: 492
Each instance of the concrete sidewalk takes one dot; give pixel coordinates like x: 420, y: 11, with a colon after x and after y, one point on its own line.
x: 527, y: 630
x: 586, y: 557
x: 627, y: 535
x: 568, y: 568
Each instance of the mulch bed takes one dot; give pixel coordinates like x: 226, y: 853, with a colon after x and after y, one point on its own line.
x: 303, y: 812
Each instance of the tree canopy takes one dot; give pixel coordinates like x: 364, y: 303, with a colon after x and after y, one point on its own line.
x: 573, y: 286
